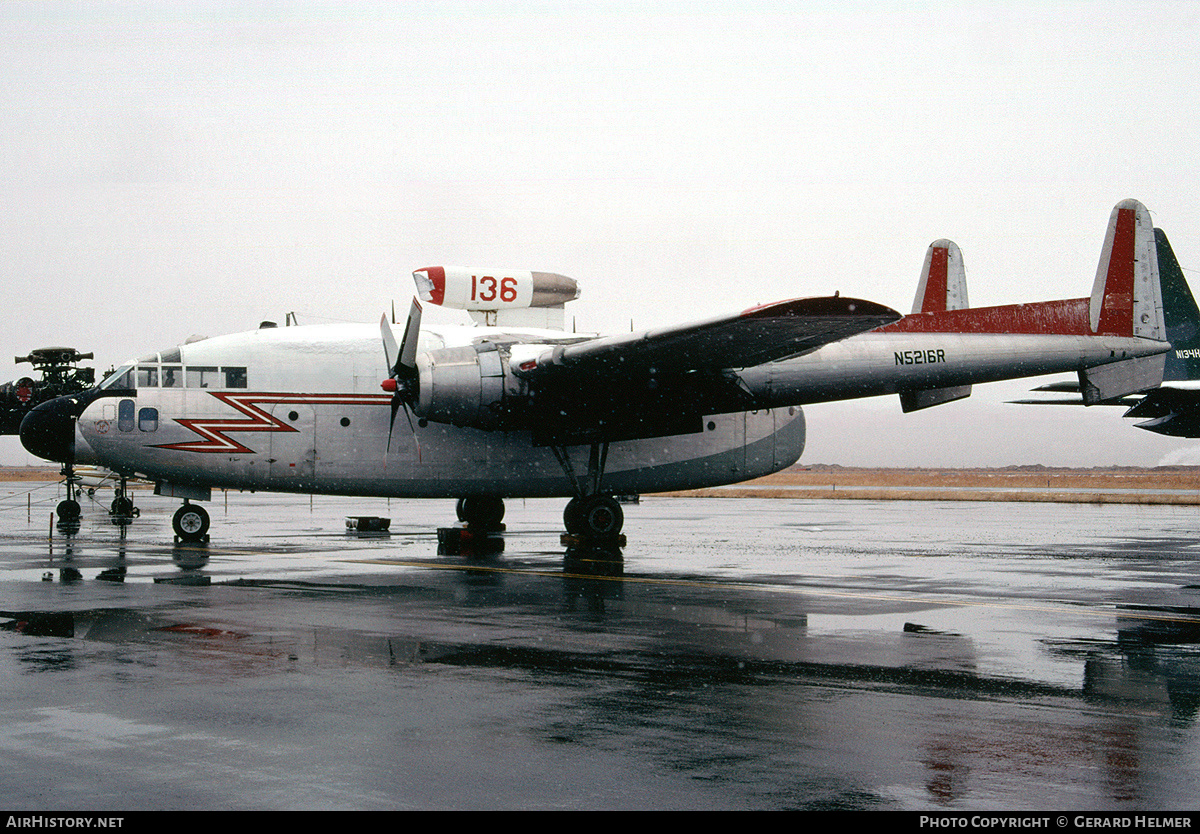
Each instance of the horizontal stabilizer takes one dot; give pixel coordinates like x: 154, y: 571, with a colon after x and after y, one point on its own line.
x: 1125, y: 401
x: 1163, y: 401
x: 1174, y: 425
x: 1060, y: 387
x: 916, y: 400
x: 1116, y: 379
x: 1174, y: 412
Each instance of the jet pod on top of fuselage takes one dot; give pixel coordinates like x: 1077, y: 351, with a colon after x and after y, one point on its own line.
x: 499, y: 296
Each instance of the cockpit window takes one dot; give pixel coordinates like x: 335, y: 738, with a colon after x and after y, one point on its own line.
x: 201, y: 377
x: 120, y: 378
x: 145, y: 373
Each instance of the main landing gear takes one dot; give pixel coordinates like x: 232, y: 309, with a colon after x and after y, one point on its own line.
x: 481, y: 520
x: 481, y: 513
x: 593, y: 515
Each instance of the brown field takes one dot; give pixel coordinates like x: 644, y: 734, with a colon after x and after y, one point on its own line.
x: 1005, y: 484
x: 28, y: 473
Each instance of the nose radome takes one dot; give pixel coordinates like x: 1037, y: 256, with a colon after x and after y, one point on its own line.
x: 48, y: 431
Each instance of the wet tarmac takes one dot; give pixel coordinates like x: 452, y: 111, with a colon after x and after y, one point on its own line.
x: 744, y: 654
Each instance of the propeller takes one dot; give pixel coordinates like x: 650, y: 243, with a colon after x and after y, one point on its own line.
x: 403, y: 381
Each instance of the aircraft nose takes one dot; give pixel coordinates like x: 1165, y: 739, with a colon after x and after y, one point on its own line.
x: 48, y: 430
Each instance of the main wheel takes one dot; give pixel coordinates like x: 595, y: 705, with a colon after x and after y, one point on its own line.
x: 483, y: 512
x: 596, y: 515
x: 190, y: 523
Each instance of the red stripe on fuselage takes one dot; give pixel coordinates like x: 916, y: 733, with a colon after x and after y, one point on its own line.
x: 213, y: 430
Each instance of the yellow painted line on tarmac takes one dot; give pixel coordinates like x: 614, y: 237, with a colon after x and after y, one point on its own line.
x: 797, y: 589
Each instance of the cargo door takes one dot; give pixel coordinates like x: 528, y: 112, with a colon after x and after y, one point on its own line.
x: 293, y: 454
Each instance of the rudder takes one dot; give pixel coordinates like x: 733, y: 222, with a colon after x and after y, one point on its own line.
x: 1126, y: 298
x: 943, y: 284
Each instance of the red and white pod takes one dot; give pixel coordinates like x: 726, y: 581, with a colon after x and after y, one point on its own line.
x: 493, y: 289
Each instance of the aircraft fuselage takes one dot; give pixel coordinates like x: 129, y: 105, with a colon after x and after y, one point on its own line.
x: 299, y: 409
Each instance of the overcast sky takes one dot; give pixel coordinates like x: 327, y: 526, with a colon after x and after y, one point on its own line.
x: 178, y: 168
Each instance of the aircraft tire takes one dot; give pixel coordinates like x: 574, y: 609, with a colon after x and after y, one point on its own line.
x: 190, y: 523
x: 571, y: 519
x: 481, y: 512
x: 597, y: 516
x: 68, y: 510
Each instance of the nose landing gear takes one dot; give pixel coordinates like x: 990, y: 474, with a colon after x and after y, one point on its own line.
x: 190, y: 523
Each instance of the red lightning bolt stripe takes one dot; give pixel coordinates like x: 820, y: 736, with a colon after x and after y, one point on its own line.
x: 214, y: 430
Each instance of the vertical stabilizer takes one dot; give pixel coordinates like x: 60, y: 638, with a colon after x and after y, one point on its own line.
x: 943, y: 284
x: 1126, y: 299
x: 1180, y: 314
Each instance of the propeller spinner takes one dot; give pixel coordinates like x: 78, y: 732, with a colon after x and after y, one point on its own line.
x: 402, y: 381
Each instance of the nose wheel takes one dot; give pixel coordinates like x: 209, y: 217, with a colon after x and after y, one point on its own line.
x: 190, y: 523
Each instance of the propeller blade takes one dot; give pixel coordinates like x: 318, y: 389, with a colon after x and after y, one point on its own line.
x: 408, y: 345
x: 391, y: 351
x: 402, y: 367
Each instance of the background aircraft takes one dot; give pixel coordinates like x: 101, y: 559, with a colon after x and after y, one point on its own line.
x: 61, y: 375
x: 514, y: 408
x: 1173, y: 409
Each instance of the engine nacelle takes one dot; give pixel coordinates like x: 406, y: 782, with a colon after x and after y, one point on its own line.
x: 498, y: 296
x: 493, y: 289
x: 470, y: 386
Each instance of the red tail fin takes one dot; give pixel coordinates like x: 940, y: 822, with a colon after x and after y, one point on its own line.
x: 943, y: 284
x: 1126, y: 298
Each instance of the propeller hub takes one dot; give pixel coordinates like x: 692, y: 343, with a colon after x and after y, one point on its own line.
x: 390, y: 385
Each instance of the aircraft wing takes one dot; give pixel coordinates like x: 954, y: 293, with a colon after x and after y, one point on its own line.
x: 752, y: 337
x: 661, y: 382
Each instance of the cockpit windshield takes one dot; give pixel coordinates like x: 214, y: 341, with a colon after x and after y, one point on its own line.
x: 166, y: 370
x: 122, y: 377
